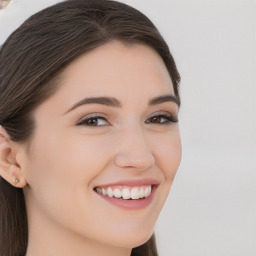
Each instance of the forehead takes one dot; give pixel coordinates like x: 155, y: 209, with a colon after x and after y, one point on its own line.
x: 118, y: 65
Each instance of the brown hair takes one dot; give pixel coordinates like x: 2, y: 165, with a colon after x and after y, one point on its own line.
x: 30, y: 61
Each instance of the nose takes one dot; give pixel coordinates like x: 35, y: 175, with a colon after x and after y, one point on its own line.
x: 134, y: 151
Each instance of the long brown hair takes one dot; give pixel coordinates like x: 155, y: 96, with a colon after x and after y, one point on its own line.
x: 30, y: 61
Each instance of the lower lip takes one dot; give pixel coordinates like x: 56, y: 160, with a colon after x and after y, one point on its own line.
x: 136, y: 204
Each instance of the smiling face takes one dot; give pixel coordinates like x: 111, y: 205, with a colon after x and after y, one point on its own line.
x: 110, y: 128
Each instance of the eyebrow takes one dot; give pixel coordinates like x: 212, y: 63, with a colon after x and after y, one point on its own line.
x: 113, y: 102
x: 164, y: 98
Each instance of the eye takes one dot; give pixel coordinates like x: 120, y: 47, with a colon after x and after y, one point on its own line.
x: 162, y: 119
x: 94, y: 121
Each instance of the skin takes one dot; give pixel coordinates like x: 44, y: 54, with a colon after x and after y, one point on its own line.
x: 65, y: 162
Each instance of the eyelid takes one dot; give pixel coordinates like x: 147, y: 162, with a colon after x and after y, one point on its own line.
x: 171, y: 118
x: 165, y: 113
x: 94, y: 115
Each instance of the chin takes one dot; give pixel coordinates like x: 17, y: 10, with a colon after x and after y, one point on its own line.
x: 141, y: 241
x: 134, y: 240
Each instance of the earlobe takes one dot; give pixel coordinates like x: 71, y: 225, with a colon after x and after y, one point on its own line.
x: 10, y: 170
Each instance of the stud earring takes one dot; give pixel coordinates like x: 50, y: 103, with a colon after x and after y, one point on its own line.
x: 17, y: 181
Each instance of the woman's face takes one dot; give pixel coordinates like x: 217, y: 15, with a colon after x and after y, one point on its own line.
x: 124, y: 143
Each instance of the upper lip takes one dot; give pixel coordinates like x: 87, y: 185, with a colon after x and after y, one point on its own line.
x: 132, y: 182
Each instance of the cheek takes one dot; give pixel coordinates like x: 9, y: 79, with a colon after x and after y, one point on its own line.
x: 168, y: 157
x: 70, y: 154
x: 168, y: 154
x: 86, y: 156
x: 62, y: 162
x: 60, y: 173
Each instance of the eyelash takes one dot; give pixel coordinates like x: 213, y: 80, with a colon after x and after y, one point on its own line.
x: 170, y: 119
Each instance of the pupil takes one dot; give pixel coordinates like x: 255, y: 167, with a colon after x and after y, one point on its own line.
x: 92, y: 122
x: 156, y: 119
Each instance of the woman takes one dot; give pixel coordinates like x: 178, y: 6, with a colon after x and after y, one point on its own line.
x: 89, y: 139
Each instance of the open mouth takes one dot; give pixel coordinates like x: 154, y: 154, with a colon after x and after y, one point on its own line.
x: 125, y: 192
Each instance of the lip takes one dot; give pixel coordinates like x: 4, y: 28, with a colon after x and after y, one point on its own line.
x: 132, y: 183
x: 136, y: 204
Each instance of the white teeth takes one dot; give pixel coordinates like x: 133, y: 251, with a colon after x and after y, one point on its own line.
x: 126, y: 193
x: 142, y: 193
x: 104, y: 192
x: 135, y: 193
x: 110, y: 192
x: 147, y: 191
x: 117, y: 193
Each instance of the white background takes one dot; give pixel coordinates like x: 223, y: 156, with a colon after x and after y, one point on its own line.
x: 211, y: 209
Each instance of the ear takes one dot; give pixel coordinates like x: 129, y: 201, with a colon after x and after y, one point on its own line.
x: 10, y: 169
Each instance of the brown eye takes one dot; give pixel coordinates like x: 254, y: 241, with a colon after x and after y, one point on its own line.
x: 162, y: 119
x: 94, y: 121
x: 156, y: 119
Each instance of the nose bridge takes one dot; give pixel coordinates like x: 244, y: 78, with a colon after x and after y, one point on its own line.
x: 134, y: 149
